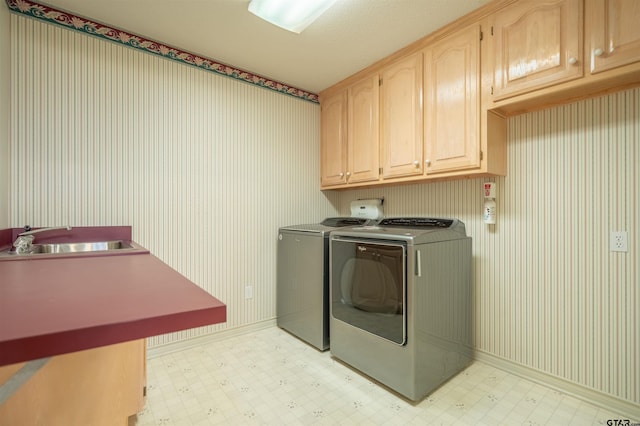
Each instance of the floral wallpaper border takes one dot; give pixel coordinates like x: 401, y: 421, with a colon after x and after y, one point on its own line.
x: 67, y: 20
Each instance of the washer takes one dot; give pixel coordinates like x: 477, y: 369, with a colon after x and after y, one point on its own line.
x: 302, y: 286
x: 400, y: 301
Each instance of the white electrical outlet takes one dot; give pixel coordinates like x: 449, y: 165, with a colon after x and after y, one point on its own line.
x: 248, y: 292
x: 618, y: 241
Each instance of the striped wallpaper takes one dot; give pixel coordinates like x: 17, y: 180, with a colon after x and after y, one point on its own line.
x: 5, y: 87
x: 73, y: 22
x: 206, y: 168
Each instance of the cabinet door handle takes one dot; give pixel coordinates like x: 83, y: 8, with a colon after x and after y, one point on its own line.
x: 598, y: 52
x: 348, y: 174
x: 416, y: 163
x: 341, y: 174
x: 572, y: 61
x: 427, y: 162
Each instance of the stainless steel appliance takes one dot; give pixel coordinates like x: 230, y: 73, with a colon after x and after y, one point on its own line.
x: 400, y: 301
x: 302, y: 287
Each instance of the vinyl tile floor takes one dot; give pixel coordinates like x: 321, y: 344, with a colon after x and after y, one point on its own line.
x: 269, y: 377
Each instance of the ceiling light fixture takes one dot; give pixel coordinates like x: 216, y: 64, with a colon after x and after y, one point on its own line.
x: 292, y: 15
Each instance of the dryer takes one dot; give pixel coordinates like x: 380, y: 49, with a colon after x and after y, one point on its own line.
x: 400, y: 301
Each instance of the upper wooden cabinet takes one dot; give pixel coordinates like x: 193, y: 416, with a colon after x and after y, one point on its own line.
x: 333, y: 139
x: 349, y: 134
x: 508, y: 57
x: 363, y: 154
x: 614, y: 30
x: 401, y: 117
x: 538, y: 43
x: 452, y: 102
x: 607, y: 42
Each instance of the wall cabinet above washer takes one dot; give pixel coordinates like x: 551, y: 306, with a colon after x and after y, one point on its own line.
x: 432, y: 122
x: 443, y: 100
x: 350, y: 134
x: 452, y: 102
x: 363, y: 152
x: 401, y: 118
x: 333, y: 139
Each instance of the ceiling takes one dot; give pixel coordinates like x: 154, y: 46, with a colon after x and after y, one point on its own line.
x: 351, y: 35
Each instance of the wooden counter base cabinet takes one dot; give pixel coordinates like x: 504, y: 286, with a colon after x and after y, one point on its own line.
x: 83, y: 318
x: 101, y: 386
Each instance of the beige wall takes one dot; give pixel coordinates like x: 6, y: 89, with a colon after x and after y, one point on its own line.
x: 5, y: 102
x: 206, y: 169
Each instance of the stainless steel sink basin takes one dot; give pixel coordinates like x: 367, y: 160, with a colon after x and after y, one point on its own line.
x: 97, y: 247
x: 80, y: 247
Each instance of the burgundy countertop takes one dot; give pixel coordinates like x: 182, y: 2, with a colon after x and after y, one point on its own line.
x: 51, y: 306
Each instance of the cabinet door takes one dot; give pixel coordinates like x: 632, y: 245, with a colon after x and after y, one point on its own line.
x: 401, y: 117
x: 452, y: 102
x: 615, y: 33
x: 363, y: 141
x: 537, y: 44
x: 100, y: 386
x: 333, y: 139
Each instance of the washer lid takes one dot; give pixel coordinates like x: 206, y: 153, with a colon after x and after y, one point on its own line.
x: 413, y: 230
x: 416, y: 222
x: 337, y: 222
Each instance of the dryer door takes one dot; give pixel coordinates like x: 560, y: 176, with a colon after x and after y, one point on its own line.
x: 368, y: 286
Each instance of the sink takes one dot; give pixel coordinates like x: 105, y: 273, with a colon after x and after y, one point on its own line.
x: 80, y: 247
x: 70, y: 248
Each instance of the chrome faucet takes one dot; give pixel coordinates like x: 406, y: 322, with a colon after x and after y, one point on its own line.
x: 25, y: 239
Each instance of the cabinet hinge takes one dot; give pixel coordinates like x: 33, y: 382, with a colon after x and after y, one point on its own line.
x: 380, y: 171
x: 481, y: 36
x: 492, y: 30
x: 380, y: 82
x: 492, y: 90
x: 481, y: 155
